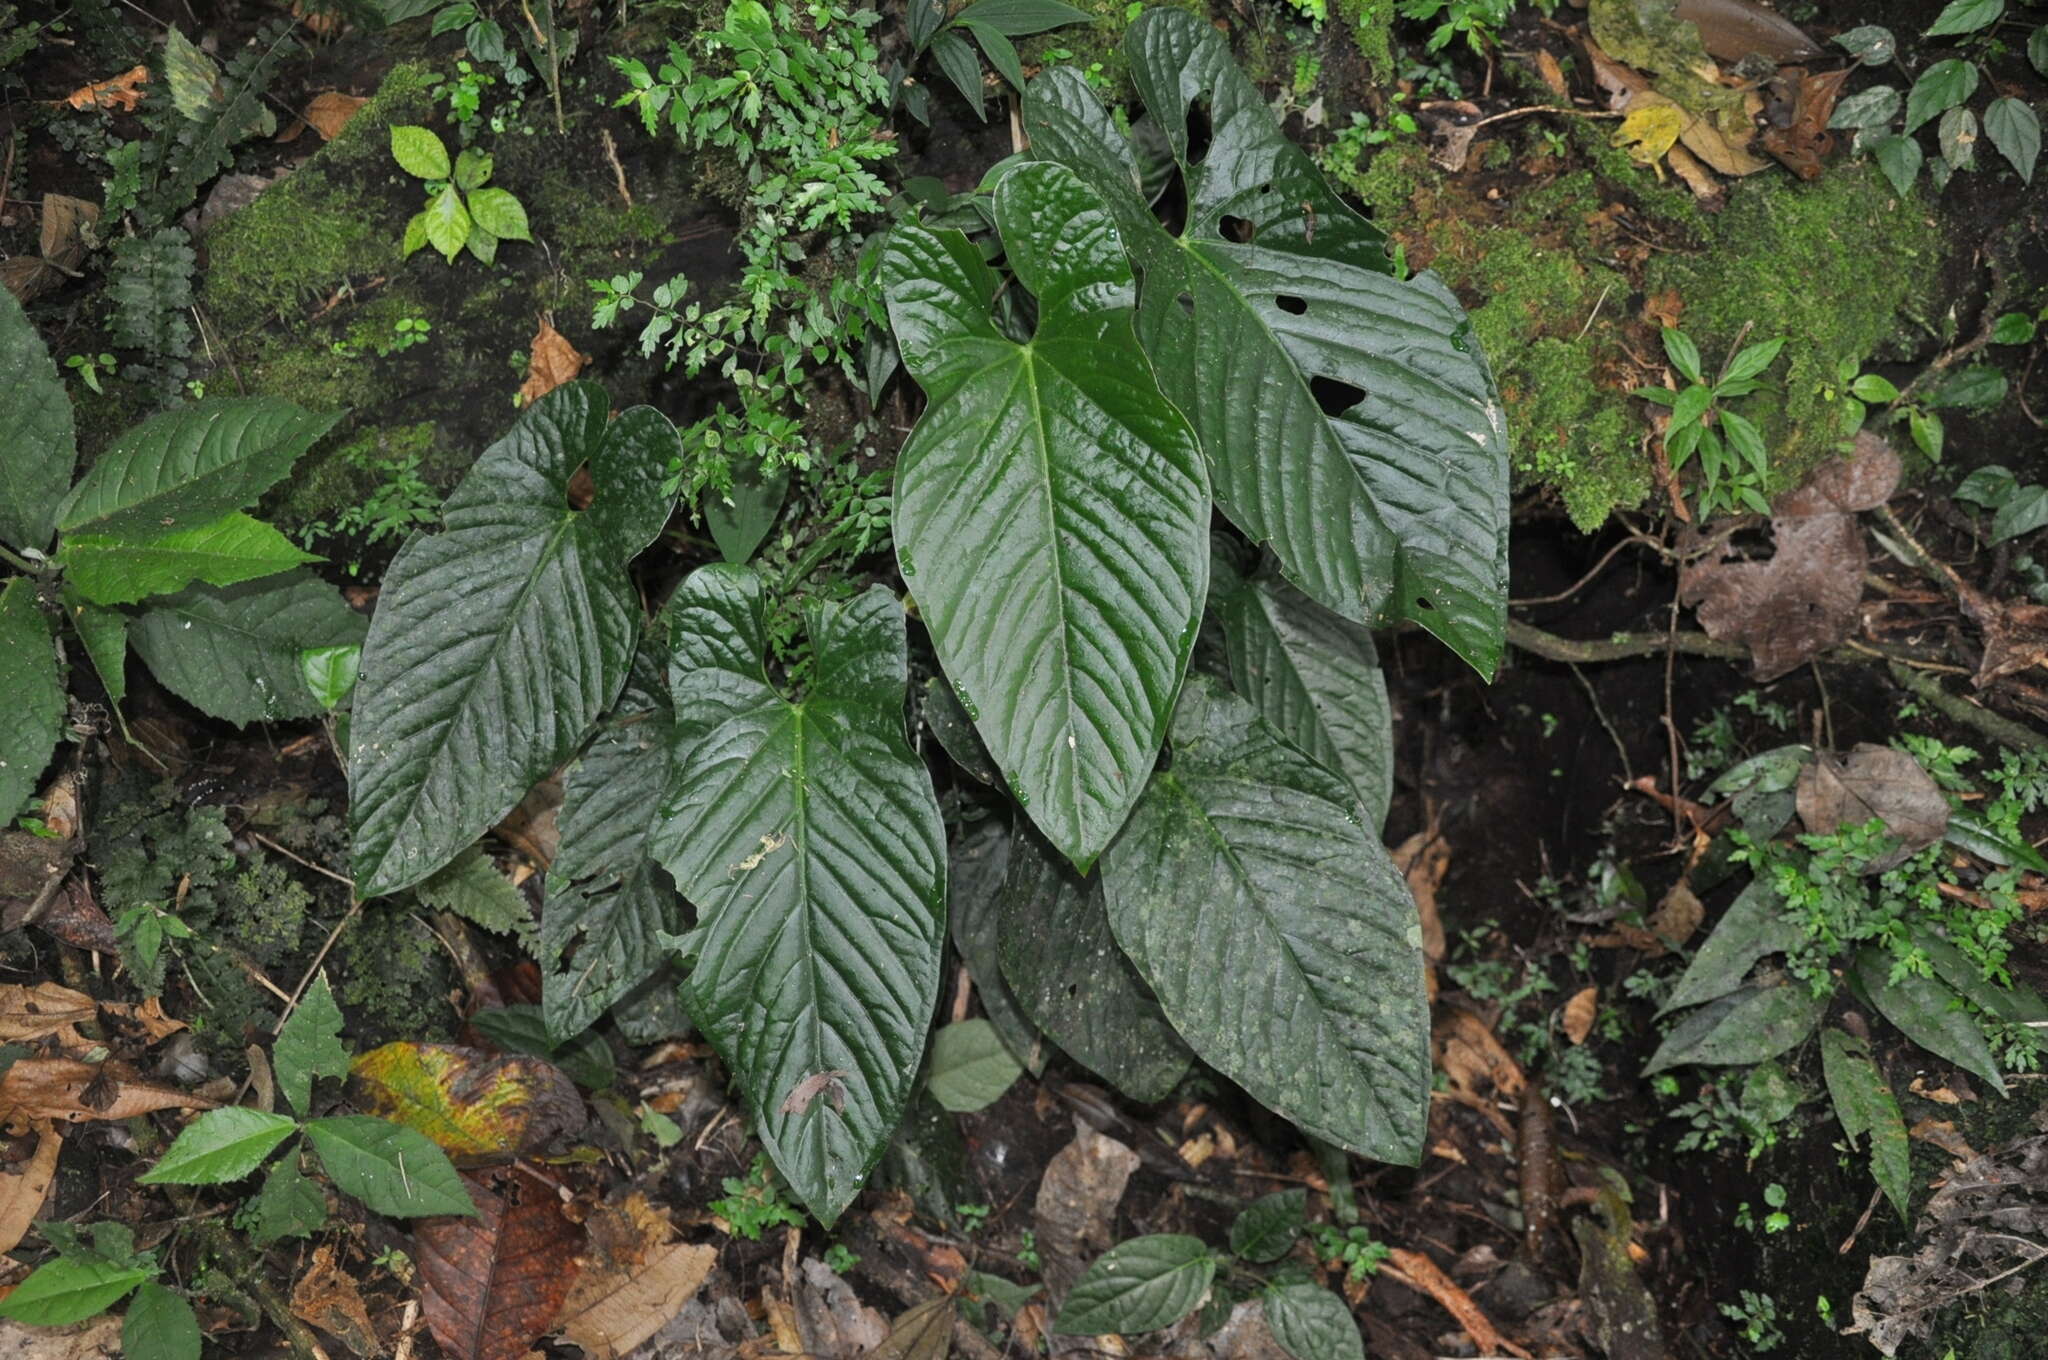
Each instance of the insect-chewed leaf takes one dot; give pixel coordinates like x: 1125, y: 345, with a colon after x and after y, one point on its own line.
x: 808, y: 838
x: 499, y: 640
x: 471, y: 1103
x: 1348, y: 417
x: 1052, y: 511
x: 1276, y: 931
x: 490, y: 1286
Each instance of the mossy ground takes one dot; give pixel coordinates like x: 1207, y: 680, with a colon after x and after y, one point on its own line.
x: 1554, y: 246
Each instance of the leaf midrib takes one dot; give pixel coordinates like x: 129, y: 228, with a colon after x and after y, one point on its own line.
x: 1028, y: 371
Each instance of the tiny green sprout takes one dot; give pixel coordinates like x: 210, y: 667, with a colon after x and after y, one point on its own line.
x: 839, y: 1258
x: 972, y: 1216
x: 1027, y: 1250
x: 89, y: 367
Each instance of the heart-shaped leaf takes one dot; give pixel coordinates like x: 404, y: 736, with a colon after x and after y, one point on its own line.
x: 1348, y: 417
x: 500, y: 639
x: 1051, y: 508
x: 808, y: 838
x: 1280, y: 938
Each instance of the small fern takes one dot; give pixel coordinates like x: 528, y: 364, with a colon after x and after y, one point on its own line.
x: 191, y: 151
x: 151, y: 286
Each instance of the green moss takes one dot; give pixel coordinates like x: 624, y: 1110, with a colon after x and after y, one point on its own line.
x: 1829, y: 264
x: 348, y: 473
x: 1371, y: 26
x: 394, y: 978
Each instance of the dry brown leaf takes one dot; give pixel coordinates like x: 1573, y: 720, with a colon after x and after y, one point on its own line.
x: 1472, y: 1057
x: 610, y: 1312
x: 492, y: 1285
x: 1198, y: 1149
x: 1579, y: 1013
x: 1074, y: 1214
x: 1418, y: 1272
x: 1940, y: 1095
x: 328, y: 1298
x: 1879, y: 782
x: 22, y: 1192
x: 1551, y: 74
x: 122, y: 92
x: 58, y: 1088
x: 1664, y: 309
x: 94, y: 1339
x: 46, y: 1008
x: 923, y: 1332
x: 1706, y: 190
x: 551, y: 362
x: 1424, y: 860
x: 329, y: 112
x: 1942, y: 1133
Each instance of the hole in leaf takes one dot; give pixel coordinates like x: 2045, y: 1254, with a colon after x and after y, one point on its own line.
x: 1187, y: 303
x: 1237, y: 229
x: 1424, y: 603
x: 1333, y: 396
x: 582, y: 487
x: 1200, y: 131
x: 1290, y: 304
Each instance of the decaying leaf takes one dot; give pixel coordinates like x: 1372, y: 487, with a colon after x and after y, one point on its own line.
x: 922, y: 1332
x: 63, y: 248
x: 1472, y: 1057
x: 1801, y: 143
x: 94, y: 1339
x: 830, y: 1084
x: 1579, y: 1013
x: 1874, y: 782
x: 121, y: 92
x: 1650, y: 130
x: 22, y: 1192
x: 327, y: 113
x: 830, y: 1318
x: 1792, y: 606
x: 551, y: 362
x: 492, y: 1285
x: 46, y: 1008
x: 617, y: 1303
x: 58, y: 1088
x: 327, y: 1297
x: 1618, y: 1304
x: 472, y: 1103
x: 1076, y: 1205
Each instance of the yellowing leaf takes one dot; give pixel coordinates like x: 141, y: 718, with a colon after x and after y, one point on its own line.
x: 472, y: 1103
x: 1650, y: 131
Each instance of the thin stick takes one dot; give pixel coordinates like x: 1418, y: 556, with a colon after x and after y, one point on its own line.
x: 314, y: 967
x: 348, y: 883
x: 1579, y: 584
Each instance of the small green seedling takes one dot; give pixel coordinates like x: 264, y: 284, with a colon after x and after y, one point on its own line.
x: 89, y: 367
x: 1733, y: 460
x: 461, y: 209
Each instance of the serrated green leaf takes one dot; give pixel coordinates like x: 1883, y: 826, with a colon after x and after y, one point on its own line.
x: 808, y: 838
x: 500, y: 639
x: 2015, y: 130
x: 471, y: 886
x: 1929, y: 1013
x: 40, y: 449
x: 419, y: 152
x: 309, y: 1046
x: 1864, y: 1103
x: 1314, y: 676
x: 500, y: 214
x: 415, y: 233
x: 1874, y: 107
x: 32, y: 716
x: 970, y: 1066
x: 608, y: 903
x: 190, y: 466
x: 220, y: 1145
x: 1139, y: 1286
x: 159, y: 1324
x: 1311, y: 1323
x: 393, y: 1169
x: 448, y: 223
x: 1270, y: 1225
x: 1743, y: 1027
x: 290, y: 1204
x: 1754, y: 925
x: 1071, y: 979
x: 193, y: 78
x: 2013, y: 328
x: 1280, y: 939
x: 1941, y: 87
x: 69, y: 1289
x: 234, y: 652
x: 1051, y: 509
x: 1276, y: 301
x: 472, y: 169
x: 127, y: 568
x: 1965, y: 16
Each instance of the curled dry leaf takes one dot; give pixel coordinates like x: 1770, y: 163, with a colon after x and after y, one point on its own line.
x: 44, y: 1009
x: 22, y: 1192
x: 551, y: 362
x: 327, y: 113
x: 492, y: 1285
x: 121, y: 92
x: 327, y: 1297
x: 1472, y: 1057
x: 1076, y: 1207
x: 633, y: 1280
x: 58, y: 1088
x: 1794, y: 605
x: 1579, y: 1013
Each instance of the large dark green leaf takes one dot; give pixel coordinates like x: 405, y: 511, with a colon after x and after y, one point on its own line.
x: 1065, y: 969
x: 1929, y: 1013
x: 1313, y: 675
x: 808, y: 838
x: 37, y: 449
x: 977, y: 865
x: 1743, y: 1027
x: 1051, y: 509
x: 32, y: 710
x: 1279, y: 937
x: 123, y: 569
x: 190, y: 466
x: 1348, y: 416
x: 1139, y: 1286
x: 234, y: 653
x: 500, y: 639
x: 608, y: 903
x: 1754, y: 925
x: 1864, y: 1103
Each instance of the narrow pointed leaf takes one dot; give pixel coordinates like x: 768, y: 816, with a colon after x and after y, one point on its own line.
x: 1348, y: 417
x: 1139, y: 1286
x: 220, y: 1145
x: 310, y: 1046
x: 39, y: 450
x: 33, y: 713
x: 190, y: 466
x: 1864, y: 1103
x: 1743, y: 1027
x: 105, y: 635
x: 1051, y: 509
x: 808, y: 838
x: 234, y: 652
x: 123, y: 569
x: 500, y: 639
x: 1282, y: 942
x: 1929, y: 1013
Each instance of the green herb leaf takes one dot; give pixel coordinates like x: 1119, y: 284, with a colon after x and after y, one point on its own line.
x: 447, y: 223
x: 1051, y: 509
x: 159, y: 1325
x: 1900, y: 159
x: 1311, y: 1323
x: 124, y: 569
x: 234, y: 652
x: 1874, y: 107
x: 1246, y: 873
x: 1965, y: 16
x: 70, y: 1289
x: 1139, y: 1286
x: 1872, y: 44
x: 392, y: 1169
x: 500, y: 214
x: 1684, y: 354
x: 970, y: 1067
x: 32, y: 717
x: 809, y: 840
x: 471, y: 887
x: 2015, y: 129
x: 1270, y: 1225
x: 500, y: 639
x: 310, y: 1046
x: 220, y: 1145
x: 2013, y: 328
x: 1750, y: 361
x: 105, y: 635
x: 290, y: 1204
x: 1927, y: 1012
x: 330, y: 673
x: 1348, y: 417
x: 40, y: 449
x: 1941, y: 87
x: 192, y: 76
x: 1874, y: 389
x: 472, y: 171
x: 740, y: 520
x: 2023, y: 512
x: 419, y: 152
x: 956, y: 60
